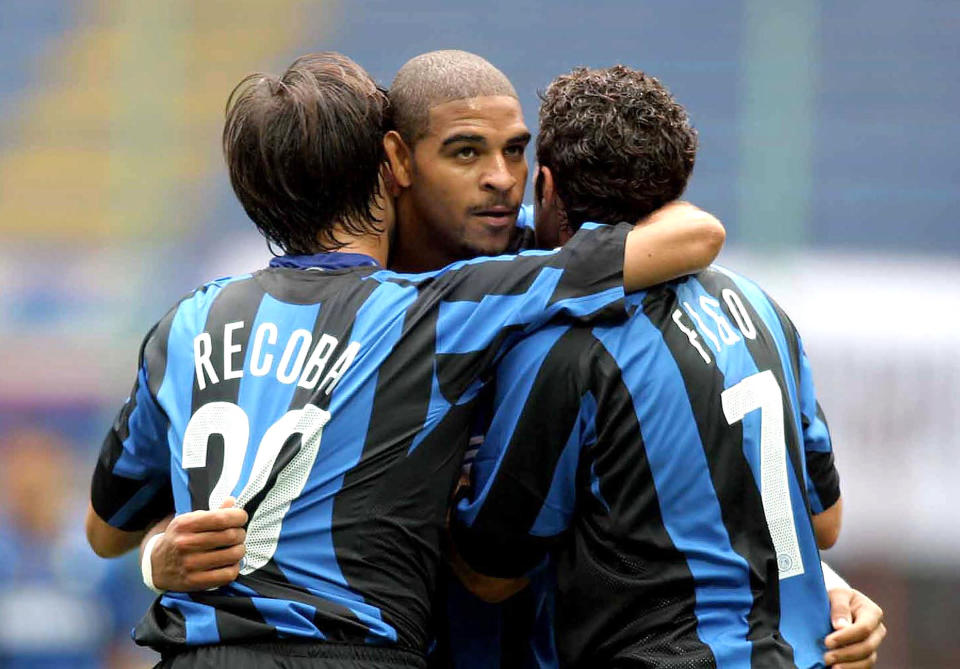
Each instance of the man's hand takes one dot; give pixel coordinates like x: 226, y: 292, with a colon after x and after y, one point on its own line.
x: 200, y: 549
x: 858, y: 622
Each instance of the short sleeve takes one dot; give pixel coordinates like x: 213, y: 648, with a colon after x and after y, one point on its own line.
x: 131, y: 481
x: 823, y: 480
x: 483, y: 306
x: 523, y: 479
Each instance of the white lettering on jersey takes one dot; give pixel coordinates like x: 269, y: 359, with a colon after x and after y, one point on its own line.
x: 202, y: 348
x: 318, y: 360
x: 739, y: 313
x: 260, y: 366
x: 301, y: 361
x: 229, y: 348
x: 299, y: 342
x: 723, y: 333
x: 339, y: 367
x: 691, y: 335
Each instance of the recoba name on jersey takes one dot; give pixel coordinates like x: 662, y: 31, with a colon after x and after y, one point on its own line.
x: 301, y: 360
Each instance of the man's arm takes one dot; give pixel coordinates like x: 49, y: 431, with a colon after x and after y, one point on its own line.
x: 490, y: 589
x: 822, y: 480
x: 130, y: 488
x: 108, y: 541
x: 826, y: 525
x: 523, y: 477
x: 675, y: 240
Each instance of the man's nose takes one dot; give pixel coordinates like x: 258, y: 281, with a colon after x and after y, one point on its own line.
x: 498, y: 176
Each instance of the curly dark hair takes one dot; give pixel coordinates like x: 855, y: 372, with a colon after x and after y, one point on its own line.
x: 304, y: 151
x: 618, y: 144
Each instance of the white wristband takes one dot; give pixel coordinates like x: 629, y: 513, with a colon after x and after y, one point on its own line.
x: 831, y: 579
x: 146, y: 566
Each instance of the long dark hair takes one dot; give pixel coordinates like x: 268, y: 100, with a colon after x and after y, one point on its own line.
x: 304, y: 151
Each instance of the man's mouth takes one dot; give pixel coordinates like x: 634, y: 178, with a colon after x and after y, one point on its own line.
x: 499, y: 215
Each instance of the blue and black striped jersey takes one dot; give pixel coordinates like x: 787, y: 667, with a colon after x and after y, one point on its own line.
x: 334, y: 400
x: 670, y: 465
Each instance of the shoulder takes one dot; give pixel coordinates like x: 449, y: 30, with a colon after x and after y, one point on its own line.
x: 195, y: 303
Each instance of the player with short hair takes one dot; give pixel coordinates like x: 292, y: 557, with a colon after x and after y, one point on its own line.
x: 330, y: 397
x: 482, y: 634
x: 669, y: 464
x: 458, y: 146
x: 457, y: 158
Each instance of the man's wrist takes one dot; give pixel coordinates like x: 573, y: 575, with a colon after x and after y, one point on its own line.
x: 146, y: 563
x: 831, y: 579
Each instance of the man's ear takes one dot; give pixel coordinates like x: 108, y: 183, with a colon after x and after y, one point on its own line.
x: 400, y: 158
x: 549, y: 201
x: 544, y: 187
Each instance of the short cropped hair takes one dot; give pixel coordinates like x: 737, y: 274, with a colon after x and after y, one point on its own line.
x: 617, y: 142
x: 437, y: 77
x: 304, y: 151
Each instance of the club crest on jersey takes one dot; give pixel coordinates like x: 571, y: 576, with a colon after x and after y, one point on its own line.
x: 301, y: 361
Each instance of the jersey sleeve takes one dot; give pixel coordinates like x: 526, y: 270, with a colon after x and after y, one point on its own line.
x: 483, y: 306
x: 823, y: 480
x: 131, y: 482
x: 523, y: 479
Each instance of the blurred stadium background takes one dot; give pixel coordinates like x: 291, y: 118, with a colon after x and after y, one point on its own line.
x: 829, y: 143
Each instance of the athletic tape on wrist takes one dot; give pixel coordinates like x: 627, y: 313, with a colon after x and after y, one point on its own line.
x: 831, y: 579
x: 146, y: 566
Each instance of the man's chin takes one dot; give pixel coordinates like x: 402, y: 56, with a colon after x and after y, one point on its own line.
x: 490, y: 244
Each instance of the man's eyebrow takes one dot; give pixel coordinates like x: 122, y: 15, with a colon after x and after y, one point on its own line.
x: 522, y: 138
x: 463, y: 137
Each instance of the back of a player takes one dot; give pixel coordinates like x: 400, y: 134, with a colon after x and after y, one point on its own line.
x: 333, y: 400
x: 670, y: 466
x: 706, y: 547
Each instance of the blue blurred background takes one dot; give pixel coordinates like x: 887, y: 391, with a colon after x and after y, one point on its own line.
x: 829, y: 142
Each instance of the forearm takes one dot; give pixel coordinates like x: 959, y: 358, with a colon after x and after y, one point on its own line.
x: 676, y: 240
x: 107, y: 541
x: 490, y: 589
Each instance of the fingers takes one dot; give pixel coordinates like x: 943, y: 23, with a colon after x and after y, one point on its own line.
x: 854, y: 654
x: 867, y: 618
x: 197, y: 542
x: 228, y: 502
x: 840, y: 600
x: 213, y: 578
x: 207, y: 521
x: 206, y: 561
x: 863, y: 664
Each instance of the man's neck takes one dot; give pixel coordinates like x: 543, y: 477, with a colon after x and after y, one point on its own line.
x: 375, y: 246
x: 411, y: 250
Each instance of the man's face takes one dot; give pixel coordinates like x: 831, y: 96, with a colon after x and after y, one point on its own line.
x: 468, y: 175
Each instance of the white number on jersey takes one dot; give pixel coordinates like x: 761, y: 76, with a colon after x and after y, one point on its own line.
x: 761, y: 391
x: 231, y: 422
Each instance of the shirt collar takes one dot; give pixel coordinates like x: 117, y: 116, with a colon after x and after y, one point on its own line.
x: 335, y: 260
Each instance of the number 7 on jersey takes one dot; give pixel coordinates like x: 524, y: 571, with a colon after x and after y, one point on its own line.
x: 761, y: 391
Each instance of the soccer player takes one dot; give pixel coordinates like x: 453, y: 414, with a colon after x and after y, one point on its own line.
x: 457, y: 156
x: 669, y: 464
x: 456, y: 152
x: 330, y: 397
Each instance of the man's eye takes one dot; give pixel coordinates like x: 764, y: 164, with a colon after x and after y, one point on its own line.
x: 513, y: 151
x: 466, y: 152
